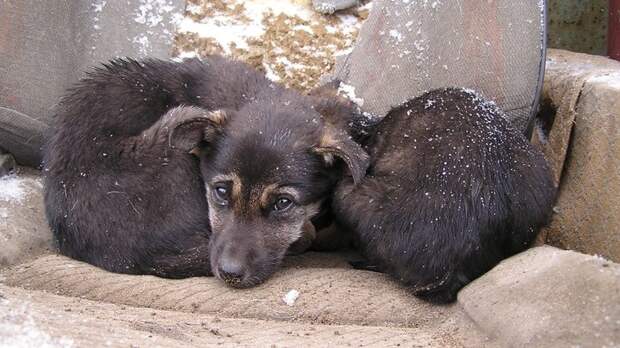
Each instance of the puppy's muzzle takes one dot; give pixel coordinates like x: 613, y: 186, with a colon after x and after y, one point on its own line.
x: 230, y: 272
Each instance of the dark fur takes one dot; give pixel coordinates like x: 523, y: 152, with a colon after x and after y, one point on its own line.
x: 117, y: 195
x: 452, y: 189
x: 123, y: 193
x: 284, y: 145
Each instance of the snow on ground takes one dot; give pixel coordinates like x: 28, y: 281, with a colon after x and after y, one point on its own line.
x: 611, y: 79
x: 284, y: 38
x: 15, y: 188
x: 12, y: 188
x: 349, y: 92
x: 18, y: 329
x: 291, y: 297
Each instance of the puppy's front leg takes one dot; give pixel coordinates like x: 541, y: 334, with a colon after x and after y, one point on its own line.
x: 190, y: 258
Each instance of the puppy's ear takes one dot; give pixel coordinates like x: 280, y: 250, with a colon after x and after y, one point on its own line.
x: 342, y: 112
x: 338, y: 144
x: 192, y: 126
x: 335, y: 108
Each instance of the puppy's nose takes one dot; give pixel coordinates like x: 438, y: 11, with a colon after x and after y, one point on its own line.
x: 230, y: 271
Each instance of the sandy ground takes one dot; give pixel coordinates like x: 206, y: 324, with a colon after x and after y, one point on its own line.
x: 286, y: 39
x: 38, y: 319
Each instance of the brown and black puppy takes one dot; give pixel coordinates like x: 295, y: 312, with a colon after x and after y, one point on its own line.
x: 452, y: 189
x: 123, y: 192
x: 267, y: 173
x: 117, y: 194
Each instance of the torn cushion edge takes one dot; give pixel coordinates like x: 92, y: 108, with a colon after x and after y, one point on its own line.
x: 582, y: 146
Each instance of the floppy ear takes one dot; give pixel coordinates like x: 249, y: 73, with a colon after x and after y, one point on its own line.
x: 342, y: 113
x: 339, y: 144
x: 192, y: 126
x: 335, y: 108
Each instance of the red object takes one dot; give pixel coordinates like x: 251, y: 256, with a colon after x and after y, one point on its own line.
x: 613, y: 43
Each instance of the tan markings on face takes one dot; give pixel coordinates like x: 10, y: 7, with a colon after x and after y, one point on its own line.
x: 266, y: 195
x: 214, y: 218
x: 273, y: 190
x: 235, y: 195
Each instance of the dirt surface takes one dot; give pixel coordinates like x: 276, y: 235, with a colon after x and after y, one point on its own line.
x: 327, y: 295
x: 338, y: 305
x: 40, y: 319
x: 286, y: 39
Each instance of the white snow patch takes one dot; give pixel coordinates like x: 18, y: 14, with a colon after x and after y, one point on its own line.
x: 290, y: 297
x: 611, y: 79
x: 420, y: 45
x: 288, y: 65
x: 348, y: 23
x: 193, y: 8
x: 12, y: 189
x: 186, y: 55
x: 230, y: 28
x: 349, y: 92
x: 305, y: 28
x: 344, y: 52
x: 19, y: 330
x: 151, y: 12
x: 270, y: 74
x: 227, y: 31
x: 396, y: 35
x: 259, y: 7
x: 144, y: 45
x: 224, y: 31
x: 99, y: 5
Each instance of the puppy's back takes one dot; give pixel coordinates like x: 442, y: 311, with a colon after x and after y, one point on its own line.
x: 118, y: 197
x: 452, y: 190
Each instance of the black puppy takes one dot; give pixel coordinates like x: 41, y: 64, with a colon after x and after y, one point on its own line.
x: 117, y: 195
x: 124, y: 193
x: 267, y: 173
x: 452, y: 189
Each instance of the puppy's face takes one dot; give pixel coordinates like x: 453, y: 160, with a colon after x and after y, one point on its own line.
x: 266, y: 172
x: 255, y: 219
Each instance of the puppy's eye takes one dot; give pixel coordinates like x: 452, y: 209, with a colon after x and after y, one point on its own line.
x: 283, y: 203
x: 221, y: 194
